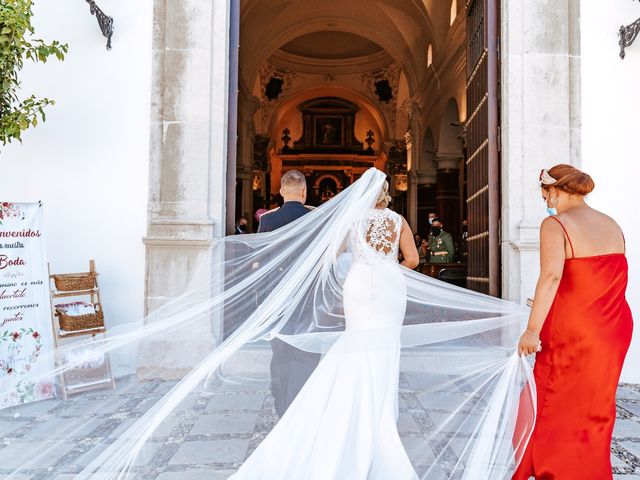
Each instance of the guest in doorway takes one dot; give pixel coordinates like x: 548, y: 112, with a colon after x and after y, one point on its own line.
x: 440, y: 244
x: 418, y: 240
x: 423, y: 252
x: 242, y: 226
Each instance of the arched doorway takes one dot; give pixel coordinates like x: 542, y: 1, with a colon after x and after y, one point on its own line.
x: 331, y: 94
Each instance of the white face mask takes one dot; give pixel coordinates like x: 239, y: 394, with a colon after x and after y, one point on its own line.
x: 431, y: 220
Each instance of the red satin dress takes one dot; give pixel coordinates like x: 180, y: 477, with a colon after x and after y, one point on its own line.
x: 585, y: 338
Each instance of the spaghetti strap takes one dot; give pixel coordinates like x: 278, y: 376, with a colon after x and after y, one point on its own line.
x: 573, y: 254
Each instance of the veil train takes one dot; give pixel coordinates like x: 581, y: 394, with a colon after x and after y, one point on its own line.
x: 194, y: 384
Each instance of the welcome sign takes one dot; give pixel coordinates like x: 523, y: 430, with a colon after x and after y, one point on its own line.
x: 25, y: 312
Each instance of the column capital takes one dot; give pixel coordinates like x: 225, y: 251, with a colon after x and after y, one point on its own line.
x: 448, y: 161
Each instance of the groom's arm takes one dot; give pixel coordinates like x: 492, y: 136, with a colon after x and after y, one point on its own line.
x: 265, y: 225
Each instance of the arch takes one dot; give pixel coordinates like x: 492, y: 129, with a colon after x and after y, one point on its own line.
x: 449, y: 142
x: 333, y: 178
x: 366, y: 106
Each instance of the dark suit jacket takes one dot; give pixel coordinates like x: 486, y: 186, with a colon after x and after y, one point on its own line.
x: 273, y: 220
x: 287, y: 213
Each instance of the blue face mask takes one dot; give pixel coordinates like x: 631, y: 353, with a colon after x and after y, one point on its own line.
x: 550, y: 210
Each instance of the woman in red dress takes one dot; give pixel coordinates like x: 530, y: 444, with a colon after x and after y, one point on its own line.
x: 581, y: 321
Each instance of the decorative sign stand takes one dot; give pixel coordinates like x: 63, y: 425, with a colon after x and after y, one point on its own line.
x: 25, y: 331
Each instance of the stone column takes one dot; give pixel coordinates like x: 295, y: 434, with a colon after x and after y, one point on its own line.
x: 411, y: 109
x: 187, y: 166
x: 412, y: 184
x: 541, y: 123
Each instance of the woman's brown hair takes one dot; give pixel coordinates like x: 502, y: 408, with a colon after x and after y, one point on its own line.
x: 570, y: 180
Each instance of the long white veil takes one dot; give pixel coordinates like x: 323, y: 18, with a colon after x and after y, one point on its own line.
x: 193, y: 390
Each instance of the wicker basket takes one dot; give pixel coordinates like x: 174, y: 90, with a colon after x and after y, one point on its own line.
x: 75, y: 281
x: 70, y: 323
x: 76, y: 376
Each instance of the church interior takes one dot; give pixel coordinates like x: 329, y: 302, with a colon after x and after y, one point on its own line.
x: 333, y: 88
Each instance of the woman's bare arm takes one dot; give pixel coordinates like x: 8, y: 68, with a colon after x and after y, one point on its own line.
x: 552, y: 257
x: 408, y: 247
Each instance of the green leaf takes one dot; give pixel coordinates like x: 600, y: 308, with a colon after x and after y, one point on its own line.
x: 17, y: 43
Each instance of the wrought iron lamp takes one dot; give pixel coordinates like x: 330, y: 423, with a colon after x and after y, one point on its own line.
x: 628, y: 34
x: 104, y: 21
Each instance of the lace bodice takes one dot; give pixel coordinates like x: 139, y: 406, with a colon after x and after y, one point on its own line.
x: 378, y: 237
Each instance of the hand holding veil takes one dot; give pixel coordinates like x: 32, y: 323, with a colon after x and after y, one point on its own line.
x: 200, y: 371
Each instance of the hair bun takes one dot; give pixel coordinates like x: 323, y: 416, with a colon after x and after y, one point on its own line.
x: 571, y: 180
x: 383, y: 199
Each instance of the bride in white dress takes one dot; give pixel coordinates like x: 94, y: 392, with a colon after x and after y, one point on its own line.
x: 342, y: 424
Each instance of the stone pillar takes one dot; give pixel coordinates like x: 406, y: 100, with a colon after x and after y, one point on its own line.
x: 411, y: 109
x: 187, y: 166
x: 412, y: 184
x: 541, y: 120
x: 448, y: 192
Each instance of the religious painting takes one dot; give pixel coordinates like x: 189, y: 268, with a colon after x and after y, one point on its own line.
x: 328, y: 131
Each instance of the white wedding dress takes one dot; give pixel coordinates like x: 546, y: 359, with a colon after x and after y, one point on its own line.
x: 342, y: 424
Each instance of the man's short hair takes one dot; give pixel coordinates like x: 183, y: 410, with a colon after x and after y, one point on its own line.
x: 292, y: 181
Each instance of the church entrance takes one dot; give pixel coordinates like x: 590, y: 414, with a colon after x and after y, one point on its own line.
x: 410, y: 87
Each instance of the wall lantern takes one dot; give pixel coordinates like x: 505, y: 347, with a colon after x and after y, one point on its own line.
x: 256, y: 183
x: 627, y: 35
x: 104, y: 21
x: 401, y: 182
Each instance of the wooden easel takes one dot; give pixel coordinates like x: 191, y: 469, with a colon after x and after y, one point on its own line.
x: 59, y: 334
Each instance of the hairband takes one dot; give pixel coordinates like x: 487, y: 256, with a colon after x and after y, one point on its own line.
x: 545, y: 178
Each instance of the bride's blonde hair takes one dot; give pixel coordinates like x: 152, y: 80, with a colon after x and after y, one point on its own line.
x: 383, y: 197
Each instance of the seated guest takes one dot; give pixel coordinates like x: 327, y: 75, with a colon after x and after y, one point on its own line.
x: 423, y: 251
x: 418, y: 240
x: 440, y: 244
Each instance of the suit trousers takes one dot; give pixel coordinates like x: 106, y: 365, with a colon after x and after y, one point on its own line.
x: 290, y: 369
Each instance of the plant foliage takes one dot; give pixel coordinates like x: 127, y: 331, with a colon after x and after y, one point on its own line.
x: 16, y: 45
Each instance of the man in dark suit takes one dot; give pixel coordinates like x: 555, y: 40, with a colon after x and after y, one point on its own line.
x: 290, y: 367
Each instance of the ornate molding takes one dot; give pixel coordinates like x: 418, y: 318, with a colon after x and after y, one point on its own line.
x: 627, y: 35
x: 411, y: 109
x: 349, y: 66
x: 268, y: 105
x: 392, y: 75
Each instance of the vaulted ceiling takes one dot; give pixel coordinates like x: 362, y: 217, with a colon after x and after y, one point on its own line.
x: 319, y: 33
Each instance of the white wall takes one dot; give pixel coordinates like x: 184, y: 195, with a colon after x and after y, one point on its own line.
x: 89, y: 161
x: 610, y: 103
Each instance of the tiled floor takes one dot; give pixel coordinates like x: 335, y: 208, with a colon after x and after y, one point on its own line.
x: 185, y: 447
